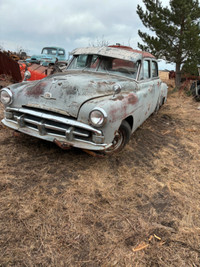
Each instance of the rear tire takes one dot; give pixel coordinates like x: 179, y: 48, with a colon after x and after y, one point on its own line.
x: 121, y: 138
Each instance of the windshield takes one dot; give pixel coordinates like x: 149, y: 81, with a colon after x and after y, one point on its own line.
x: 49, y: 51
x: 104, y: 64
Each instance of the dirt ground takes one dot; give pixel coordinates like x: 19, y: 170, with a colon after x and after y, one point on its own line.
x: 137, y: 208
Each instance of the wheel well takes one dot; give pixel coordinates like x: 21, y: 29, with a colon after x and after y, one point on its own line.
x: 130, y: 121
x: 163, y: 101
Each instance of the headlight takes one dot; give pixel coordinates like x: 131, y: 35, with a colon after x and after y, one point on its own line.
x: 6, y: 96
x: 27, y: 75
x: 98, y: 117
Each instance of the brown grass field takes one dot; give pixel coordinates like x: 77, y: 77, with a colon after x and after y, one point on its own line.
x: 138, y: 208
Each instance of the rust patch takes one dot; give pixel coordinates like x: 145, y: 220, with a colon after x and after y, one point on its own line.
x: 37, y: 90
x: 62, y: 145
x: 132, y: 99
x: 71, y: 90
x: 124, y: 109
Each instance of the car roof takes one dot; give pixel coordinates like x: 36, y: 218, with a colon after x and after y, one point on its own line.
x: 54, y: 47
x: 112, y: 51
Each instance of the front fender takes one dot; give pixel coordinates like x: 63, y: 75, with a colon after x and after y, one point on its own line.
x: 117, y: 109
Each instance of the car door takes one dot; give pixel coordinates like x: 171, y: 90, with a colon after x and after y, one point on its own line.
x: 61, y: 55
x: 156, y: 87
x: 146, y: 90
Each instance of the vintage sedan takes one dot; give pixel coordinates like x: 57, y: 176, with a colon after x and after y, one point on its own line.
x: 104, y: 95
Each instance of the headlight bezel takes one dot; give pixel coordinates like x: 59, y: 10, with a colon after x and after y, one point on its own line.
x: 102, y: 114
x: 9, y: 95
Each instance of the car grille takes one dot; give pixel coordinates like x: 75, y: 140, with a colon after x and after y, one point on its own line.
x: 48, y: 123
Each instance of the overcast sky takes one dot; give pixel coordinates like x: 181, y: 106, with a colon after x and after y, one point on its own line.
x: 33, y: 24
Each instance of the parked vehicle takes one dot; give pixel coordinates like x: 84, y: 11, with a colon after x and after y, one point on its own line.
x: 195, y: 86
x: 195, y: 90
x: 105, y: 94
x: 33, y: 72
x: 49, y: 56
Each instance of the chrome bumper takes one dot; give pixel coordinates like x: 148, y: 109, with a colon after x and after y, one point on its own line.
x: 51, y: 127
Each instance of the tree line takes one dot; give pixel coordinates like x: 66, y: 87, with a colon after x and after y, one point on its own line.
x: 175, y: 33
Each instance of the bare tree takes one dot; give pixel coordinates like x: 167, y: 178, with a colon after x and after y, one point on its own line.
x: 99, y: 42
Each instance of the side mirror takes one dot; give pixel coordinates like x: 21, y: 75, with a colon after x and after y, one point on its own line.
x: 117, y: 89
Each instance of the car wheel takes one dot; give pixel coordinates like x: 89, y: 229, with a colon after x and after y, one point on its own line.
x: 121, y: 138
x: 158, y: 106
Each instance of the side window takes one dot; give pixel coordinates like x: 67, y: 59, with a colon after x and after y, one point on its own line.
x: 44, y: 51
x: 154, y: 69
x: 94, y: 61
x: 52, y: 52
x: 61, y: 52
x: 146, y: 69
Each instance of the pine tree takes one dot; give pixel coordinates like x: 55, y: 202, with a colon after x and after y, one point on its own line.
x: 176, y: 29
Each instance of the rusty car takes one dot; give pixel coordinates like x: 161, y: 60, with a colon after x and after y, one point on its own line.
x: 32, y: 71
x: 104, y: 95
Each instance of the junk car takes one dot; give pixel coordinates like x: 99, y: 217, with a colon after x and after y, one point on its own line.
x: 32, y: 71
x: 104, y: 95
x: 48, y: 56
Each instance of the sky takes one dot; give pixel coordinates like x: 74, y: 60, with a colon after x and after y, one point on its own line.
x: 33, y: 24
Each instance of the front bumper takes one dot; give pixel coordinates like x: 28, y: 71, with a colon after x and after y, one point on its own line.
x: 54, y: 127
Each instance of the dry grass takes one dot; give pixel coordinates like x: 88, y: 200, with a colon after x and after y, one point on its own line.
x: 138, y: 208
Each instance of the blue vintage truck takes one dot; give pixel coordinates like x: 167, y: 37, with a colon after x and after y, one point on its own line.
x: 49, y: 56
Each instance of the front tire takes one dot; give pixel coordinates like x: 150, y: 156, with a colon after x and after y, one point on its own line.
x: 121, y: 138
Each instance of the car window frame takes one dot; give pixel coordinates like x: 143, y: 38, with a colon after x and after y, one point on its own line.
x: 141, y: 77
x: 157, y: 71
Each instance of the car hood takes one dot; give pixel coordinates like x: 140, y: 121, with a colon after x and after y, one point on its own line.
x: 41, y: 56
x: 66, y: 93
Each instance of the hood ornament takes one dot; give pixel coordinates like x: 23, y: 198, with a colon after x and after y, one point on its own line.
x: 48, y: 96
